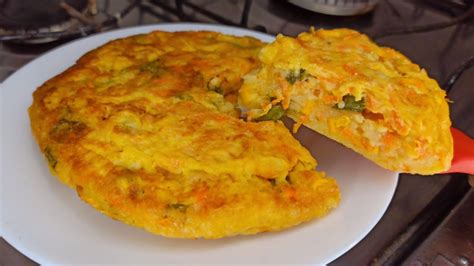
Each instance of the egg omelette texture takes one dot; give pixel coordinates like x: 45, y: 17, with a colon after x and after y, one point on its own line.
x: 371, y: 99
x: 146, y: 130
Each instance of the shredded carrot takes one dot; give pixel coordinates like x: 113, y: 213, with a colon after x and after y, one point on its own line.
x: 297, y: 125
x: 201, y: 193
x: 348, y: 133
x: 329, y: 98
x: 388, y: 139
x: 266, y: 107
x: 290, y: 192
x: 399, y: 125
x: 349, y: 69
x: 286, y: 91
x: 366, y: 47
x: 277, y: 100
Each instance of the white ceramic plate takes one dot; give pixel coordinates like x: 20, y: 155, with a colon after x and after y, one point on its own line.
x: 47, y: 222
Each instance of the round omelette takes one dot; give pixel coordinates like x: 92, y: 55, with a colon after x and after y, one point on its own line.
x: 146, y: 130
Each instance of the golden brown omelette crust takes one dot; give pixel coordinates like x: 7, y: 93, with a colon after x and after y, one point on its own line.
x: 371, y: 99
x: 145, y: 129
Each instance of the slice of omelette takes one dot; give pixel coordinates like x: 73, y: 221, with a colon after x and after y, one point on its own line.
x: 371, y: 99
x: 145, y: 129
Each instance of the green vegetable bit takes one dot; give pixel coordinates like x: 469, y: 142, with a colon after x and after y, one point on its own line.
x: 296, y: 75
x: 67, y: 131
x: 185, y: 97
x: 68, y: 125
x: 49, y: 156
x: 275, y: 113
x: 153, y: 67
x: 351, y: 104
x: 178, y: 206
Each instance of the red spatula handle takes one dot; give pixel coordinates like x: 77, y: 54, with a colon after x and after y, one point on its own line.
x: 463, y: 160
